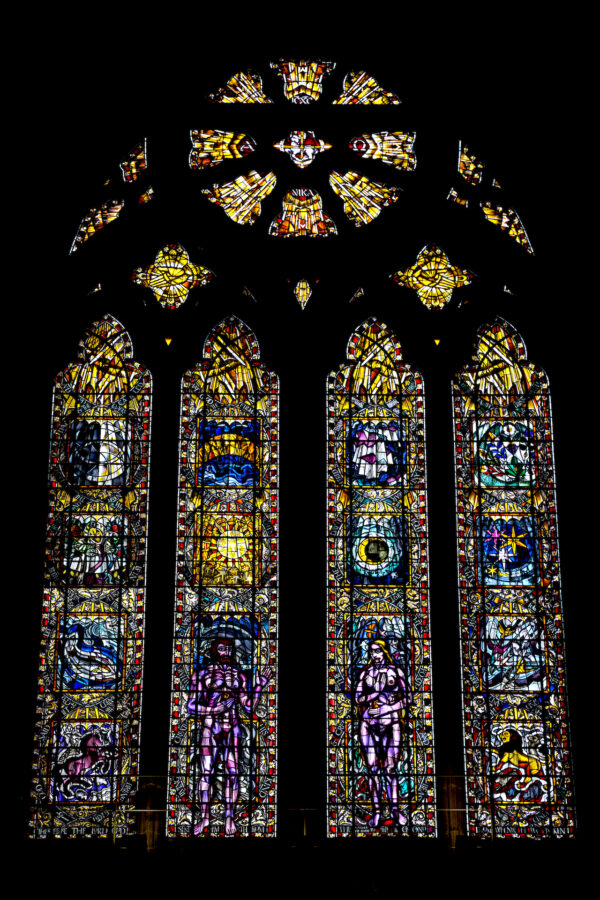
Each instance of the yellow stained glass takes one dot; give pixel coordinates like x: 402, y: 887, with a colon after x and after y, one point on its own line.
x: 135, y: 162
x: 243, y: 87
x: 302, y: 147
x: 302, y: 215
x: 172, y: 276
x: 507, y: 220
x: 240, y: 199
x: 95, y: 221
x: 360, y: 87
x: 363, y: 199
x: 433, y: 277
x: 303, y: 292
x: 303, y: 79
x: 209, y: 148
x: 146, y: 196
x: 456, y: 198
x: 469, y: 167
x: 394, y: 148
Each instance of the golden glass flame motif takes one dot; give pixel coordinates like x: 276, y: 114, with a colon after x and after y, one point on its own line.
x: 95, y: 221
x: 302, y: 147
x: 86, y: 750
x: 433, y: 277
x: 303, y: 292
x: 394, y: 148
x: 223, y: 741
x: 209, y: 148
x: 135, y: 162
x: 302, y: 215
x: 240, y: 199
x: 303, y: 80
x: 381, y: 778
x: 363, y: 199
x: 469, y: 167
x: 360, y: 87
x: 244, y: 87
x: 515, y: 717
x: 507, y: 220
x: 172, y: 276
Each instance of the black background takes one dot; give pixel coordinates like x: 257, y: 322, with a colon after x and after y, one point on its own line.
x: 518, y: 98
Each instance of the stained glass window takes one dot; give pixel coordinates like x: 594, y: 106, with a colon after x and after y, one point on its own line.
x: 394, y: 148
x: 360, y: 87
x: 95, y: 221
x: 223, y: 730
x: 363, y: 199
x: 210, y: 147
x: 240, y: 199
x: 302, y: 215
x: 507, y: 220
x: 171, y: 276
x: 379, y: 700
x: 517, y: 756
x: 303, y: 80
x: 88, y: 713
x: 135, y: 162
x: 433, y: 277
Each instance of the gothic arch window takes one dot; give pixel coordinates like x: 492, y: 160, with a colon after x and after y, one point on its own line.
x: 447, y: 251
x: 517, y: 748
x: 90, y: 676
x: 223, y: 756
x: 379, y: 702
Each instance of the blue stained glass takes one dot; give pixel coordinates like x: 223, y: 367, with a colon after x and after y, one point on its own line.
x: 377, y: 454
x: 507, y: 550
x: 91, y: 658
x: 376, y: 550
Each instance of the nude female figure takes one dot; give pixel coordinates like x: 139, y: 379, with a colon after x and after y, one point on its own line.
x: 216, y: 692
x: 382, y: 696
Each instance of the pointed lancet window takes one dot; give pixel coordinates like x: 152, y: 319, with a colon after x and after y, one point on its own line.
x: 516, y: 733
x: 380, y: 730
x: 223, y: 731
x: 86, y: 749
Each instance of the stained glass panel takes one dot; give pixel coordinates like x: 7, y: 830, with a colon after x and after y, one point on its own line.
x: 433, y: 277
x: 516, y: 735
x: 360, y: 87
x: 394, y: 148
x: 95, y: 221
x: 224, y: 703
x: 303, y: 79
x: 244, y: 87
x: 88, y: 711
x: 363, y: 199
x: 135, y: 162
x: 210, y: 147
x: 302, y: 215
x: 379, y: 700
x: 240, y: 199
x: 507, y: 220
x: 172, y: 276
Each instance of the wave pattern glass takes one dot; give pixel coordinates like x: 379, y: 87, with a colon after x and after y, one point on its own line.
x: 379, y: 701
x: 514, y: 692
x: 88, y: 710
x: 223, y: 723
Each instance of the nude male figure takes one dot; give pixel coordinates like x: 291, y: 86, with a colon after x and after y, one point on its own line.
x: 217, y: 691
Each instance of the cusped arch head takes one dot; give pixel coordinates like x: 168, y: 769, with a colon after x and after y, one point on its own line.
x: 374, y: 341
x: 499, y: 342
x: 105, y: 339
x: 231, y: 333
